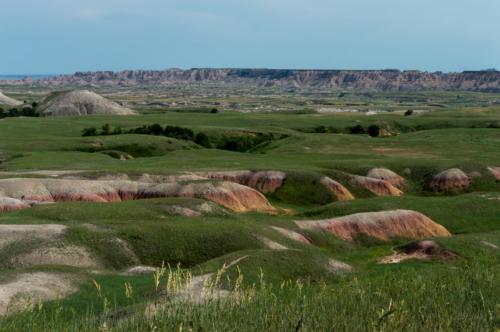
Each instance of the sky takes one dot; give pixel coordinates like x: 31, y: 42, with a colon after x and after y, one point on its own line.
x: 65, y: 36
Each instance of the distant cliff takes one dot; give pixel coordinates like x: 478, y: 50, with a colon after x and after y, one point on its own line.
x: 378, y: 80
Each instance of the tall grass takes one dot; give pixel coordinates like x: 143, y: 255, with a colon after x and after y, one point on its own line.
x: 447, y: 298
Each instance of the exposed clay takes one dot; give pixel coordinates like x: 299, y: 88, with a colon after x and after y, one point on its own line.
x: 71, y: 255
x: 291, y: 234
x: 337, y: 189
x: 387, y: 175
x: 265, y: 181
x: 376, y: 186
x: 270, y: 244
x: 489, y: 244
x: 495, y: 171
x: 451, y: 179
x: 426, y: 249
x: 175, y: 209
x: 139, y: 270
x: 382, y: 225
x: 338, y: 267
x: 14, y: 233
x: 4, y: 100
x: 80, y: 102
x: 46, y: 286
x: 231, y: 195
x: 11, y: 204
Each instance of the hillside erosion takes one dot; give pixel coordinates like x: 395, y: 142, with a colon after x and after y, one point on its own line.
x: 19, y: 193
x: 378, y: 80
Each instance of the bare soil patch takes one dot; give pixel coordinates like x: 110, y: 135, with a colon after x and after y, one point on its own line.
x: 46, y: 286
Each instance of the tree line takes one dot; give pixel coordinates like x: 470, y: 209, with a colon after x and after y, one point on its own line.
x: 25, y: 111
x: 241, y: 143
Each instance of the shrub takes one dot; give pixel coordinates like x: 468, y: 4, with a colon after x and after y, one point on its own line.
x: 373, y: 130
x: 203, y: 140
x: 358, y: 130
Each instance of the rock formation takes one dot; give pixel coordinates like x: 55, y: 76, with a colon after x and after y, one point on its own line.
x: 79, y: 102
x: 383, y: 225
x: 378, y: 80
x: 291, y: 234
x: 385, y: 174
x: 239, y: 198
x: 451, y: 179
x: 376, y: 186
x: 338, y: 190
x: 495, y: 171
x: 4, y: 100
x: 265, y: 181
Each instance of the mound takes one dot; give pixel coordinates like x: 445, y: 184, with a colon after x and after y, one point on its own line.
x: 451, y: 179
x: 13, y: 233
x: 495, y: 171
x: 291, y: 235
x: 10, y: 204
x: 4, y: 100
x: 70, y: 255
x: 265, y: 181
x: 46, y: 286
x: 383, y: 225
x: 426, y: 249
x: 376, y: 186
x: 386, y: 175
x: 270, y: 244
x: 339, y: 190
x: 79, y: 102
x: 231, y: 195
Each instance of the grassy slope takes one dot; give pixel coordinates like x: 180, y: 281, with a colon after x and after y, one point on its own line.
x: 156, y: 235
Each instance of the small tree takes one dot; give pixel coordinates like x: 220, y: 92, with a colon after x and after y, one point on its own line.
x: 117, y: 131
x: 203, y: 140
x: 106, y: 130
x: 358, y: 130
x: 373, y: 130
x: 214, y: 110
x: 89, y: 131
x: 320, y: 129
x: 34, y: 104
x: 409, y: 112
x: 156, y: 129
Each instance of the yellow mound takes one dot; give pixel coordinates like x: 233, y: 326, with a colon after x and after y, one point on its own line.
x: 376, y: 186
x: 383, y: 225
x: 338, y: 190
x: 231, y: 195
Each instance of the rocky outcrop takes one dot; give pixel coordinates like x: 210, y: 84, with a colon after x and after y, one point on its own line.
x: 234, y: 196
x: 291, y: 234
x: 11, y: 204
x: 376, y: 186
x: 385, y: 174
x: 79, y: 102
x: 4, y: 100
x: 495, y: 171
x: 337, y: 189
x: 379, y: 80
x: 451, y: 179
x: 265, y: 181
x: 383, y: 225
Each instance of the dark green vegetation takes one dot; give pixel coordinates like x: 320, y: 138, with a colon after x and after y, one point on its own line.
x: 452, y: 294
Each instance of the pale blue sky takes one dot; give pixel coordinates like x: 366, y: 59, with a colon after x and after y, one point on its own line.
x: 64, y: 36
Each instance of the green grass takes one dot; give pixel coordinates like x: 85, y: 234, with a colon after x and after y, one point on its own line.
x: 455, y: 295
